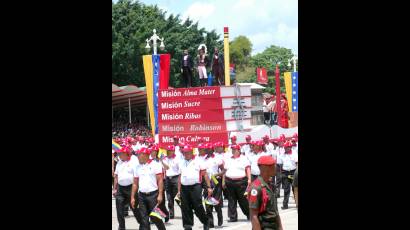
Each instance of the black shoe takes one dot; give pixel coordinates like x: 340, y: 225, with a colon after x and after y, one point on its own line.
x: 166, y: 219
x: 171, y: 217
x: 206, y: 227
x: 220, y: 221
x: 211, y: 226
x: 284, y: 207
x: 232, y: 220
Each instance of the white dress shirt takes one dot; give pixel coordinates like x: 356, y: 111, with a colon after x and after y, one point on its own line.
x: 173, y: 166
x: 191, y: 171
x: 236, y: 167
x: 289, y: 161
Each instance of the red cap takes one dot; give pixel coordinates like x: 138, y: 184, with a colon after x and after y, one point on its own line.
x: 288, y: 144
x: 187, y: 148
x: 293, y: 139
x: 248, y: 137
x: 295, y: 135
x: 201, y: 146
x: 155, y: 148
x: 145, y: 151
x: 209, y: 145
x: 266, y: 137
x: 176, y: 137
x: 266, y: 160
x: 238, y: 147
x: 171, y: 148
x: 233, y: 138
x: 260, y: 143
x: 124, y: 150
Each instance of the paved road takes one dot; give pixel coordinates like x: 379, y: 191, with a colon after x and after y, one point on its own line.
x: 289, y: 219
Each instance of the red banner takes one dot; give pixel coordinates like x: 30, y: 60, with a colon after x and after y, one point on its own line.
x: 193, y: 104
x: 191, y: 127
x: 192, y: 138
x: 164, y: 63
x: 262, y: 76
x: 189, y: 93
x: 191, y: 116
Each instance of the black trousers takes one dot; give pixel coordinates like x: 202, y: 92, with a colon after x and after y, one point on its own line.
x: 274, y: 118
x: 287, y: 184
x: 187, y: 76
x: 147, y: 203
x: 191, y: 199
x: 171, y: 187
x: 236, y: 189
x: 122, y: 198
x: 217, y: 194
x: 278, y: 179
x: 266, y: 117
x: 162, y: 205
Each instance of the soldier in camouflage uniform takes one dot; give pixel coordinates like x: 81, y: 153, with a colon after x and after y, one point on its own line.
x: 262, y: 202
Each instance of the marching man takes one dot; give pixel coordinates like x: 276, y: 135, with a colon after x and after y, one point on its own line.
x: 290, y: 162
x: 148, y: 182
x: 264, y: 214
x: 189, y: 186
x: 170, y: 164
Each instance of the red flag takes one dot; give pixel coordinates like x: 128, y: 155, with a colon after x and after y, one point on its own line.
x: 262, y: 76
x: 164, y: 63
x: 279, y: 108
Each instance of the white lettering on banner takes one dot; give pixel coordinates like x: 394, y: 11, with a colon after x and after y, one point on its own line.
x: 189, y: 93
x: 192, y: 104
x: 174, y: 116
x: 205, y: 128
x: 192, y: 116
x: 172, y: 93
x: 171, y: 105
x: 167, y: 139
x: 195, y: 138
x: 172, y: 128
x: 206, y: 92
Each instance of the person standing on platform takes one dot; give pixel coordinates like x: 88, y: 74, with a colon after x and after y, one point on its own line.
x: 202, y: 63
x: 264, y: 213
x: 171, y: 166
x: 123, y: 178
x: 154, y: 156
x: 217, y: 65
x: 148, y: 182
x: 189, y: 186
x: 284, y: 119
x: 215, y: 168
x: 186, y: 69
x: 290, y: 162
x: 237, y: 178
x: 273, y: 111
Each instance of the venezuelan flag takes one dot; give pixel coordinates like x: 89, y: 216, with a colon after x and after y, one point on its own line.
x: 115, y: 146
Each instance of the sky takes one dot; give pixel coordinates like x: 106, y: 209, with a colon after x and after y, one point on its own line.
x: 264, y: 22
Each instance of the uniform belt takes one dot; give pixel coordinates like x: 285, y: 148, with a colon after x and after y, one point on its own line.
x: 125, y: 185
x: 235, y: 178
x: 149, y: 193
x: 173, y: 176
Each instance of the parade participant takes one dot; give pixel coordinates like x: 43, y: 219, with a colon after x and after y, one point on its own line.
x: 186, y: 69
x: 189, y: 186
x: 220, y: 155
x: 294, y: 145
x: 280, y: 152
x: 290, y: 161
x: 170, y: 164
x: 233, y: 140
x: 264, y: 214
x: 199, y: 141
x: 254, y: 157
x: 217, y: 65
x: 177, y: 147
x: 202, y: 63
x: 237, y: 178
x: 154, y: 156
x: 247, y: 146
x: 123, y: 178
x: 268, y: 145
x: 215, y: 168
x: 149, y: 184
x: 295, y: 187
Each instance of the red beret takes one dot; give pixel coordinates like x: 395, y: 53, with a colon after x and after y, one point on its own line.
x: 187, y: 148
x: 171, y: 148
x: 266, y: 160
x: 238, y: 147
x: 248, y: 137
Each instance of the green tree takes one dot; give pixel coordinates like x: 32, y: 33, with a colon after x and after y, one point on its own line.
x: 240, y: 51
x: 132, y: 24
